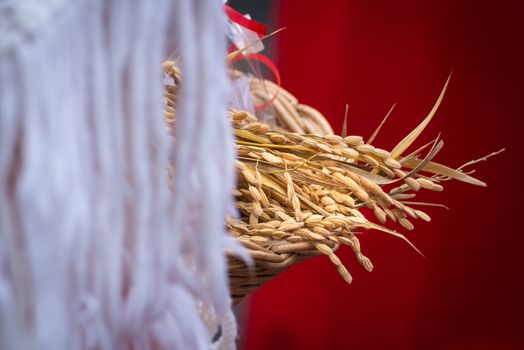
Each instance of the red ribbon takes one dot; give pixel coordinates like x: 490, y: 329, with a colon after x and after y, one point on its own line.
x: 245, y: 22
x: 261, y: 30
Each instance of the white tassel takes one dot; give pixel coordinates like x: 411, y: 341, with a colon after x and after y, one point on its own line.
x: 95, y: 251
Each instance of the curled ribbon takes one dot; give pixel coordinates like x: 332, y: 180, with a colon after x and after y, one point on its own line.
x: 260, y: 29
x: 265, y: 60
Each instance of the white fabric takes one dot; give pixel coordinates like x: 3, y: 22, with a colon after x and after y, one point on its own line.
x: 245, y: 38
x: 241, y: 98
x: 95, y: 251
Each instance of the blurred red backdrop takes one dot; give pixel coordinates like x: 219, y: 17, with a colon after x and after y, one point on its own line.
x: 467, y: 293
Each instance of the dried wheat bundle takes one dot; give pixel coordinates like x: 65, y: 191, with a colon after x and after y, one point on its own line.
x: 301, y: 194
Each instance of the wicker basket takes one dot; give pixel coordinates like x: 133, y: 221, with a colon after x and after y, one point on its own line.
x: 268, y: 264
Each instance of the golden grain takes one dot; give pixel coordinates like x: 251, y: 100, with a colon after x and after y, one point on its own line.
x: 299, y: 195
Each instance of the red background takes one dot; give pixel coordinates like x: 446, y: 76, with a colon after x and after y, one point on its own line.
x: 467, y: 293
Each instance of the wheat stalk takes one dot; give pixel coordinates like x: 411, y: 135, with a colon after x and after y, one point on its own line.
x: 300, y: 194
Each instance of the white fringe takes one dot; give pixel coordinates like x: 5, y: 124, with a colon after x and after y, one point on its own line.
x: 95, y: 252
